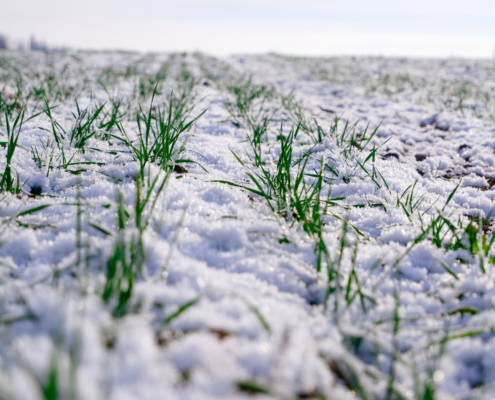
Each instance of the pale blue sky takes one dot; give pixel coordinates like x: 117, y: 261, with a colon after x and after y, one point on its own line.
x: 312, y: 27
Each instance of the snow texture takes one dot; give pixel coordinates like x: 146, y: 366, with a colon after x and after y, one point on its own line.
x: 263, y: 319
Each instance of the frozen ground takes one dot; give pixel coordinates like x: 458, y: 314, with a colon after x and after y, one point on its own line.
x: 367, y: 274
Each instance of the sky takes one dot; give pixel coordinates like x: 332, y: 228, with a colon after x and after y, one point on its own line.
x: 417, y: 28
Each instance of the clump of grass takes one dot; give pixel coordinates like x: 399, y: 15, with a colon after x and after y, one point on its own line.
x: 409, y: 204
x: 57, y: 130
x: 246, y: 94
x: 289, y: 195
x: 121, y: 268
x: 84, y: 126
x: 278, y: 187
x: 127, y: 260
x: 112, y: 118
x: 159, y: 136
x: 186, y: 91
x: 148, y: 81
x: 9, y: 106
x: 259, y: 128
x: 249, y: 109
x: 445, y: 233
x: 167, y: 133
x: 10, y: 182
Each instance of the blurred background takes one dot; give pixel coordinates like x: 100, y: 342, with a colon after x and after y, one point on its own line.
x: 419, y: 28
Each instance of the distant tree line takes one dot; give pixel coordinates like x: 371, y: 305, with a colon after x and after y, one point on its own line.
x: 33, y: 44
x: 3, y: 41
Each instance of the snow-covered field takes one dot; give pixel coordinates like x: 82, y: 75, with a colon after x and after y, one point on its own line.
x: 322, y: 230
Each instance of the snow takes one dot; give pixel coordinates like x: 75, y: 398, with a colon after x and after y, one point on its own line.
x: 221, y: 245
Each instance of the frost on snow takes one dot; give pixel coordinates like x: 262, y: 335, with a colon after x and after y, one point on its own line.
x: 322, y: 230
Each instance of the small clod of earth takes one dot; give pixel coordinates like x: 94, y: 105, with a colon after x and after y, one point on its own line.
x: 180, y: 169
x: 487, y: 224
x: 388, y: 155
x: 490, y: 181
x: 220, y: 333
x: 36, y: 190
x: 327, y: 110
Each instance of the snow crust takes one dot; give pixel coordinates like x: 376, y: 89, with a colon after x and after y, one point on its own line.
x: 222, y: 245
